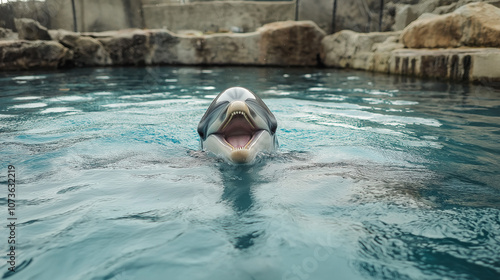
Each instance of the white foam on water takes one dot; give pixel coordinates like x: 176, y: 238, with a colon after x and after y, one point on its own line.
x: 317, y: 89
x: 403, y: 102
x: 27, y: 98
x: 59, y: 110
x: 28, y: 78
x: 69, y: 98
x: 207, y: 87
x: 29, y: 105
x: 103, y: 93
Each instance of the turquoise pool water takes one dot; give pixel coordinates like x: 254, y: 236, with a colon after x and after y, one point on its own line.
x: 377, y: 177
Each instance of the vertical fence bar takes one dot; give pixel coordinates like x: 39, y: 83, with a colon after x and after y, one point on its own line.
x: 334, y: 13
x: 381, y: 15
x: 296, y: 10
x: 75, y: 27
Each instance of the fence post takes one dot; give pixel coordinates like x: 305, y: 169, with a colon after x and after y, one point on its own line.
x: 75, y: 27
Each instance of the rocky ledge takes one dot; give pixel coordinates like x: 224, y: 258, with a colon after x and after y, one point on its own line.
x: 287, y: 43
x: 463, y: 45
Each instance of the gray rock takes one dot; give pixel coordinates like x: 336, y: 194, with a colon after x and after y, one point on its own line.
x: 127, y: 47
x: 349, y: 49
x: 87, y: 51
x: 405, y: 15
x: 29, y: 29
x: 287, y: 43
x: 473, y: 25
x: 15, y: 55
x: 383, y: 52
x: 7, y: 34
x: 279, y: 43
x: 219, y: 49
x: 463, y: 65
x: 290, y: 43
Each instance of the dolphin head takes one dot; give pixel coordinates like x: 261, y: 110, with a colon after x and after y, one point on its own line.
x: 237, y: 126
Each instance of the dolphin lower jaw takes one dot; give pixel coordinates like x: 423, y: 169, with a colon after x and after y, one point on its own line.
x: 261, y: 141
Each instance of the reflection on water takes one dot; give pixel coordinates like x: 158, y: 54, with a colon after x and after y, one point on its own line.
x: 376, y: 177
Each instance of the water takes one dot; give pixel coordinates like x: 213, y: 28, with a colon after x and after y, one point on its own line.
x: 377, y: 177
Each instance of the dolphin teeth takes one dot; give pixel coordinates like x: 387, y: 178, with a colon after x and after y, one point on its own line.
x: 238, y: 113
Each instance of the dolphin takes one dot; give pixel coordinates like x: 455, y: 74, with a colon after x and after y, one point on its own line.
x: 237, y: 126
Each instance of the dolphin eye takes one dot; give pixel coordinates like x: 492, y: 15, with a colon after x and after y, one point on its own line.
x: 254, y: 115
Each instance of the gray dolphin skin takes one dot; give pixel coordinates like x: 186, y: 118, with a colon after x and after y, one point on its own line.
x: 238, y: 126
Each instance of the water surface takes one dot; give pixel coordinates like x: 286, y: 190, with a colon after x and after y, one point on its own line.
x: 377, y: 177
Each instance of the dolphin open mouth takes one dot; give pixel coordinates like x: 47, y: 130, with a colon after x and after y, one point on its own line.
x: 238, y: 126
x: 238, y: 130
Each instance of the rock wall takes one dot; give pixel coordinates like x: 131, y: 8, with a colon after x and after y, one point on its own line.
x: 468, y: 40
x: 473, y: 25
x: 22, y: 54
x: 286, y: 43
x: 463, y: 45
x: 374, y: 15
x: 243, y: 16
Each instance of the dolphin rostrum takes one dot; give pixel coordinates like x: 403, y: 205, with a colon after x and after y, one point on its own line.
x: 237, y: 126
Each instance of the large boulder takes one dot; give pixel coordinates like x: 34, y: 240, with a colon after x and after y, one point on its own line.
x: 405, y: 14
x: 29, y: 29
x: 163, y: 47
x: 290, y: 43
x: 472, y: 25
x: 349, y: 49
x: 15, y: 55
x: 383, y: 52
x: 242, y: 49
x: 127, y: 47
x: 87, y: 50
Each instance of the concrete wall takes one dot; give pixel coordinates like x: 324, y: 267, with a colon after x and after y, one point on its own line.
x: 217, y: 15
x: 319, y: 11
x: 31, y: 9
x: 96, y: 15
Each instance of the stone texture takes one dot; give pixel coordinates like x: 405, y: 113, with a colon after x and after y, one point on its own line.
x: 29, y: 29
x: 7, y: 34
x: 382, y: 52
x: 319, y: 11
x: 473, y: 25
x: 22, y: 54
x: 290, y: 43
x: 163, y: 47
x: 405, y: 14
x: 287, y: 43
x: 87, y: 51
x: 127, y: 47
x: 215, y: 16
x: 466, y: 64
x: 242, y: 49
x: 349, y: 49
